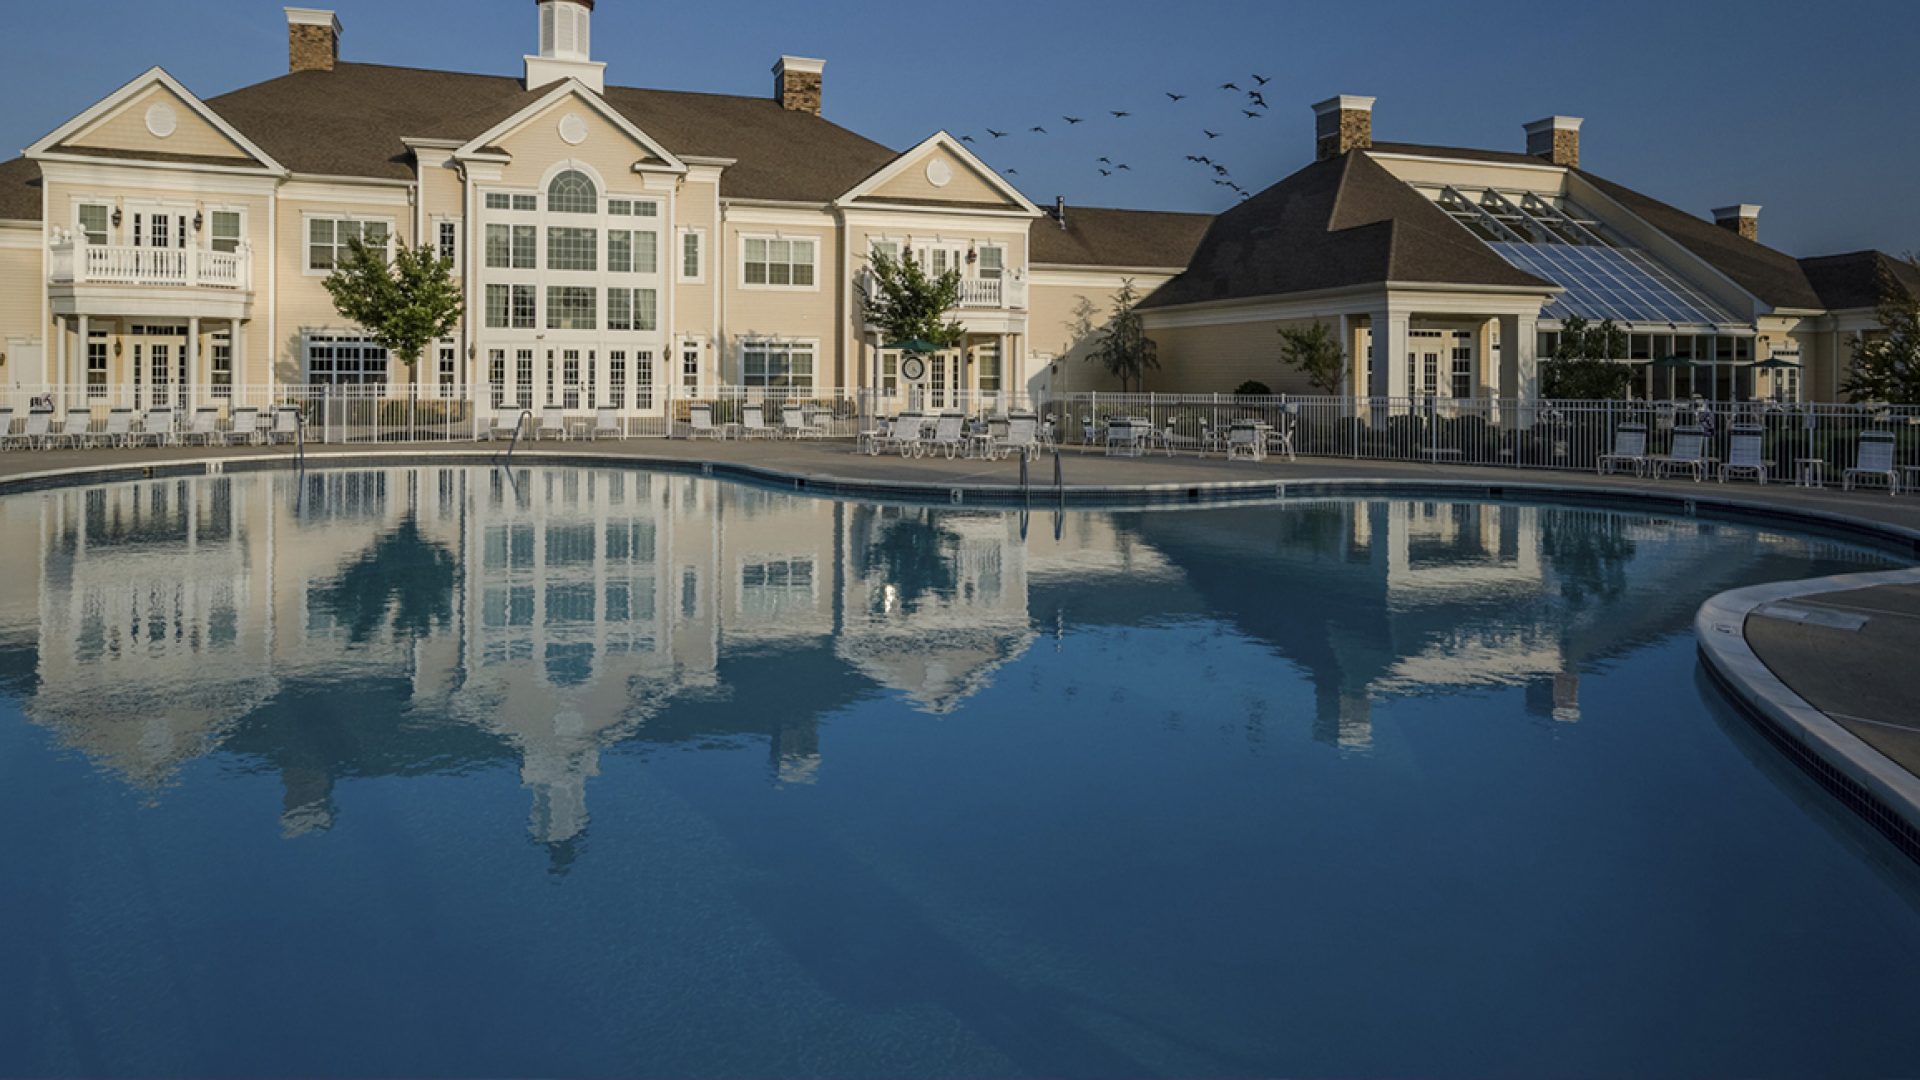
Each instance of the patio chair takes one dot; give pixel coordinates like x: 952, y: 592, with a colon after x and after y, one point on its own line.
x: 607, y: 421
x: 1280, y: 436
x: 552, y: 424
x: 906, y: 435
x: 74, y: 429
x: 1745, y: 455
x: 701, y: 425
x: 1689, y: 455
x: 1022, y: 437
x: 1629, y: 448
x: 753, y: 423
x: 158, y: 425
x: 1123, y: 438
x: 1246, y: 440
x: 6, y: 428
x: 949, y: 435
x: 870, y: 439
x: 119, y: 429
x: 245, y: 429
x: 206, y: 426
x: 286, y: 425
x: 795, y: 425
x: 504, y: 425
x: 1875, y: 461
x: 38, y: 432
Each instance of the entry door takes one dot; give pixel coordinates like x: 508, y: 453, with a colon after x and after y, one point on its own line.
x: 161, y: 234
x: 1428, y: 351
x: 937, y: 259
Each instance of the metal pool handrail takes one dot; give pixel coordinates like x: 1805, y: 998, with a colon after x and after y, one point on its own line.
x: 519, y: 425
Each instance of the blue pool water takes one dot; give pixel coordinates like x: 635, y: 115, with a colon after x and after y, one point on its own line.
x: 431, y: 772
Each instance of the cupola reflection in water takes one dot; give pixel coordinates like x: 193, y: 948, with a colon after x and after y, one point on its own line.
x: 573, y: 771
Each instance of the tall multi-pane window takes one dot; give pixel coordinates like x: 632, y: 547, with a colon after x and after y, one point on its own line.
x: 643, y: 380
x: 646, y: 252
x: 690, y: 367
x: 221, y: 376
x: 620, y: 309
x: 94, y: 220
x: 778, y: 365
x: 620, y: 251
x: 96, y: 363
x: 496, y: 307
x: 572, y: 193
x: 510, y: 307
x: 572, y: 307
x: 497, y: 376
x: 223, y: 227
x: 617, y: 378
x: 989, y: 361
x: 692, y: 257
x: 449, y: 364
x: 572, y: 248
x: 779, y: 263
x: 449, y: 240
x: 512, y: 247
x: 524, y: 307
x: 1462, y: 365
x: 329, y: 238
x: 523, y: 376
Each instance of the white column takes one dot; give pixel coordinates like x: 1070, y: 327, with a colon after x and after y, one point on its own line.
x: 238, y: 360
x: 196, y: 385
x: 59, y: 380
x: 83, y: 352
x: 1389, y: 332
x: 1519, y: 367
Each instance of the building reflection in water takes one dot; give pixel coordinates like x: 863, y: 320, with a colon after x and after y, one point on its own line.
x: 392, y: 623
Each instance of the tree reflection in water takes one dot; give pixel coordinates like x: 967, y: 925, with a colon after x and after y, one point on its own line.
x: 403, y: 578
x: 1589, y: 552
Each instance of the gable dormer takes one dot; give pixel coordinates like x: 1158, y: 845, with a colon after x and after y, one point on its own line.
x: 154, y: 119
x: 940, y: 172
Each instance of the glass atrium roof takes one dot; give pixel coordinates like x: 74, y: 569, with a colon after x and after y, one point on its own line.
x: 1604, y: 277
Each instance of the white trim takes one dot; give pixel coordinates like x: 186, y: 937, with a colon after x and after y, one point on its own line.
x: 1434, y: 159
x: 1554, y: 123
x: 1344, y: 103
x: 1071, y: 274
x: 740, y: 248
x: 111, y: 104
x: 573, y: 87
x: 680, y: 254
x: 1000, y: 223
x: 939, y: 140
x: 307, y: 217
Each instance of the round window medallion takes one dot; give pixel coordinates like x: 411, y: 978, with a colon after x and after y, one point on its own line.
x: 162, y: 120
x: 939, y: 173
x: 573, y: 129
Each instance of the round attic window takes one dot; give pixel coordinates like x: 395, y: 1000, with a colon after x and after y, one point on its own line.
x: 573, y: 129
x: 939, y: 173
x: 162, y: 121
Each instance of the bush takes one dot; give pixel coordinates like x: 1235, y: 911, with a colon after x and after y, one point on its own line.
x: 1253, y: 388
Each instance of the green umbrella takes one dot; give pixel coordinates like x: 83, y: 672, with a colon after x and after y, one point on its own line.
x: 1775, y: 364
x: 1675, y: 363
x: 914, y: 345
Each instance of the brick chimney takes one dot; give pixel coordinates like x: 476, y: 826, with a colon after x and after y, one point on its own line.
x: 1341, y: 124
x: 797, y: 83
x: 313, y: 39
x: 1743, y: 219
x: 1557, y: 139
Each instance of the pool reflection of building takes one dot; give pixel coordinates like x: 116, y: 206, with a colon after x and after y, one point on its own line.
x: 550, y: 617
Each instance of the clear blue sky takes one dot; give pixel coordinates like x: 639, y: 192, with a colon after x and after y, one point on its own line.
x: 1808, y: 109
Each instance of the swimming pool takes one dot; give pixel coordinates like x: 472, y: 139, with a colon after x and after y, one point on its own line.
x: 438, y: 771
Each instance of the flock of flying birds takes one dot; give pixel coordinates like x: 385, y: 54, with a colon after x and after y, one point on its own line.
x: 1253, y: 106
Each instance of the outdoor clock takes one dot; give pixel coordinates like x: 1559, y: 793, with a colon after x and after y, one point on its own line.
x: 914, y: 368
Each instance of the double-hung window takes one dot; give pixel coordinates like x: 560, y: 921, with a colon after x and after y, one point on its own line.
x: 97, y: 363
x: 778, y: 365
x: 447, y: 237
x: 693, y: 256
x: 223, y: 227
x: 570, y: 248
x: 329, y: 238
x: 94, y: 221
x: 774, y: 263
x: 993, y: 263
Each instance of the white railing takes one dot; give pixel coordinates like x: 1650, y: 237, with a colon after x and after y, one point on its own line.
x: 72, y: 262
x: 978, y: 294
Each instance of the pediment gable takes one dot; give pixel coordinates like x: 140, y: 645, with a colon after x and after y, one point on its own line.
x: 572, y: 122
x: 940, y: 172
x: 154, y: 118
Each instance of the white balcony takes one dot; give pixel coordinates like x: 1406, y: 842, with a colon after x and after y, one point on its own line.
x: 980, y: 294
x: 75, y: 262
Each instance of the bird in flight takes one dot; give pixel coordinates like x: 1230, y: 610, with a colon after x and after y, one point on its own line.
x: 1209, y: 134
x: 1127, y: 168
x: 1106, y: 161
x: 1204, y: 159
x: 1013, y: 172
x: 1038, y: 130
x: 1258, y: 98
x: 996, y: 134
x: 1121, y: 115
x: 1251, y: 115
x: 1229, y: 86
x: 1176, y: 97
x: 1220, y: 170
x: 1105, y: 172
x: 1074, y: 119
x: 1262, y: 79
x: 966, y: 138
x: 1222, y: 183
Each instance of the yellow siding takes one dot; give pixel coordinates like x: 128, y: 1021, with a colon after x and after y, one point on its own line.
x: 806, y: 314
x: 536, y: 147
x: 126, y: 129
x: 1064, y: 320
x: 303, y: 302
x: 693, y: 304
x: 20, y: 291
x: 967, y: 185
x: 1217, y: 359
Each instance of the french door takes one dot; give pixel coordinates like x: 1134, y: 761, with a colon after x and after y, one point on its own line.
x: 161, y: 235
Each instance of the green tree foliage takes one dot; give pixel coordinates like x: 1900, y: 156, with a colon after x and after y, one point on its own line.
x: 1886, y: 364
x: 1314, y: 352
x: 1583, y: 366
x: 1253, y: 388
x: 907, y: 304
x: 406, y: 305
x: 1123, y: 347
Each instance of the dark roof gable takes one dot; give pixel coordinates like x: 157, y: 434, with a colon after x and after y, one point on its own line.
x: 1852, y: 280
x: 1096, y: 236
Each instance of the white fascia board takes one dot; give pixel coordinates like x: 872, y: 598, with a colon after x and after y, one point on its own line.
x: 571, y: 88
x: 939, y: 140
x: 109, y: 105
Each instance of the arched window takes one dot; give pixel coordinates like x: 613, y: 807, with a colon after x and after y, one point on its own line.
x: 572, y: 193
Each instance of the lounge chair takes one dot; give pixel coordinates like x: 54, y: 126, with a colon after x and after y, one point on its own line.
x: 552, y: 424
x: 1875, y: 461
x: 206, y: 426
x: 75, y: 429
x: 245, y: 428
x: 1629, y: 448
x: 906, y: 433
x: 700, y: 423
x: 949, y: 436
x: 1022, y: 437
x: 157, y: 426
x: 504, y: 425
x: 119, y: 429
x: 753, y: 423
x: 1689, y: 455
x: 1280, y: 436
x: 795, y: 425
x: 6, y: 428
x: 1246, y: 440
x: 607, y: 421
x: 1745, y: 455
x: 38, y: 432
x: 286, y: 425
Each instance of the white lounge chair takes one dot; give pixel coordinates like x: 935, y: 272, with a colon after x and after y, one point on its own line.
x: 904, y: 434
x: 157, y: 426
x: 1245, y: 439
x: 286, y: 425
x: 1875, y: 461
x: 206, y: 426
x: 245, y: 429
x: 1280, y: 436
x: 949, y: 436
x: 504, y: 425
x: 700, y: 423
x: 753, y: 423
x: 1689, y: 455
x: 1629, y: 448
x: 607, y: 421
x: 552, y: 425
x: 74, y: 429
x: 38, y: 432
x: 119, y: 429
x: 795, y: 425
x: 1746, y: 455
x: 1022, y: 437
x: 6, y: 428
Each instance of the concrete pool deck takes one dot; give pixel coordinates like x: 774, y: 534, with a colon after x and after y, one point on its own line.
x: 1825, y: 663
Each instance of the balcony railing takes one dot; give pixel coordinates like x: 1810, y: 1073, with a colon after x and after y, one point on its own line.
x: 75, y: 262
x: 980, y: 294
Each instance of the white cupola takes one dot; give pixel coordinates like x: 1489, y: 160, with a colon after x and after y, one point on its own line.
x: 566, y: 46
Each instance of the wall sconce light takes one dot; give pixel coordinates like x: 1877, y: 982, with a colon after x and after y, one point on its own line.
x: 199, y: 220
x: 973, y: 256
x: 3, y: 359
x: 472, y: 352
x: 116, y: 217
x: 118, y: 346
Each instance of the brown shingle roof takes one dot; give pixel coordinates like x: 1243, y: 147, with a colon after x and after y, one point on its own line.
x: 1342, y: 222
x: 1852, y: 280
x: 19, y: 190
x: 1098, y: 236
x: 350, y: 122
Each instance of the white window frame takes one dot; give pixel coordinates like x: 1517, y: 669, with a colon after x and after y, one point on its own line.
x: 311, y: 337
x: 81, y: 231
x: 211, y: 209
x: 680, y: 255
x: 306, y: 236
x: 777, y: 237
x: 442, y: 226
x: 789, y: 344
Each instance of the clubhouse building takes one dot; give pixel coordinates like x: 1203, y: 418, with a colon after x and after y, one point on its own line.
x: 625, y: 248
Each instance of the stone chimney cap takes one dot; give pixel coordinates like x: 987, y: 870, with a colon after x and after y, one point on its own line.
x: 1344, y: 103
x: 299, y: 16
x: 1555, y: 123
x: 588, y: 4
x: 1738, y: 210
x: 800, y: 65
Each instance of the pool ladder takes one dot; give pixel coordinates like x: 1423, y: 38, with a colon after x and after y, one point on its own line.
x: 519, y: 426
